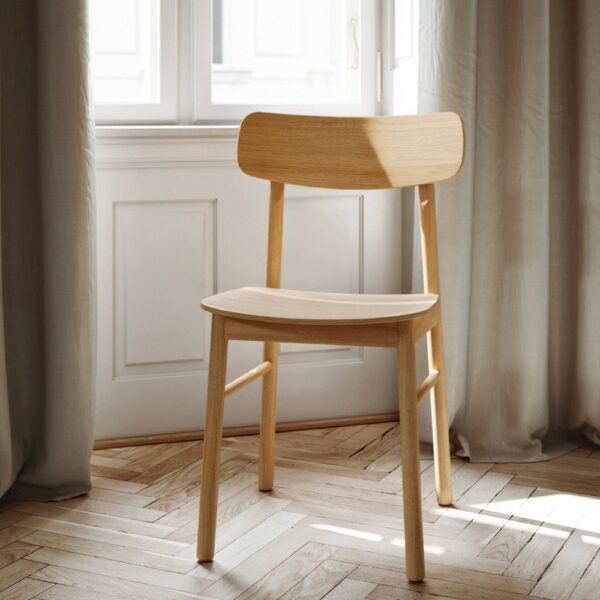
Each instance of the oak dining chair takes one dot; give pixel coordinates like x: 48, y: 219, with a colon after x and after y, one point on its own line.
x: 355, y: 153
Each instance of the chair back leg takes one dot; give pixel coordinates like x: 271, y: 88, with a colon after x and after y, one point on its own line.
x: 409, y: 441
x: 213, y: 432
x: 268, y: 419
x: 439, y: 417
x: 435, y: 346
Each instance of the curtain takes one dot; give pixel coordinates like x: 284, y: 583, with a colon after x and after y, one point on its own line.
x: 47, y: 314
x: 520, y: 226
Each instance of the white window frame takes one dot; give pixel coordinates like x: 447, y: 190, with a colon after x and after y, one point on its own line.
x: 186, y: 69
x: 166, y: 110
x: 205, y: 111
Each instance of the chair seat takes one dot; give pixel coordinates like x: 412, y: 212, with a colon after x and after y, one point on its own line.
x: 324, y: 308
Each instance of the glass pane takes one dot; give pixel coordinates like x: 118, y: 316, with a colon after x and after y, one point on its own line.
x: 125, y: 51
x: 286, y: 52
x: 406, y: 59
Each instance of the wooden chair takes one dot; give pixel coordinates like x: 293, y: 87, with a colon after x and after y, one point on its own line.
x: 340, y: 153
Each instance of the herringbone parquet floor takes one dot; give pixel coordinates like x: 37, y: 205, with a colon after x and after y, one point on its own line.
x: 332, y: 528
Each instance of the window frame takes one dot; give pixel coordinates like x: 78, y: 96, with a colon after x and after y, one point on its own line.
x: 183, y: 69
x: 204, y: 111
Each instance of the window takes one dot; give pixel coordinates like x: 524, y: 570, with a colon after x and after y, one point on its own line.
x: 313, y: 56
x: 134, y: 59
x: 285, y: 52
x: 404, y: 55
x: 127, y: 51
x: 193, y: 61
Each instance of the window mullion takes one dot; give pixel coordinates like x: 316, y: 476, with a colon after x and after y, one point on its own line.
x: 186, y: 70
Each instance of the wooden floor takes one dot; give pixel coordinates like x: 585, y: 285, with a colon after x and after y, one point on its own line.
x: 332, y: 528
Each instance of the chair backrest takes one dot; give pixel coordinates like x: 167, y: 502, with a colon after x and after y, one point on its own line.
x: 351, y: 152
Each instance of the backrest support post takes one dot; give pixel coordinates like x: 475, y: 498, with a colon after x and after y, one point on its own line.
x: 275, y: 235
x: 429, y: 245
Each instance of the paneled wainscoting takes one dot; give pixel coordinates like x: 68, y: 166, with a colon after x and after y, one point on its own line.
x: 331, y: 529
x: 178, y: 221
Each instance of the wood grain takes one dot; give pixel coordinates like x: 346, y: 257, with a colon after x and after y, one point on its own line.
x: 351, y: 152
x: 328, y: 530
x: 340, y: 153
x: 317, y: 308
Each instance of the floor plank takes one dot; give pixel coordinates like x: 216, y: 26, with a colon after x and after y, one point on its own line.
x: 24, y: 590
x: 331, y: 529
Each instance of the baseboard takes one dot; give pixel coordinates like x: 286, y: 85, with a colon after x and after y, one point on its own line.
x: 188, y: 436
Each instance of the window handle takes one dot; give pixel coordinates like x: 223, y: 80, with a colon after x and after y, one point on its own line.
x: 354, y: 44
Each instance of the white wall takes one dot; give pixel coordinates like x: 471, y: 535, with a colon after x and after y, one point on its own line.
x: 177, y: 221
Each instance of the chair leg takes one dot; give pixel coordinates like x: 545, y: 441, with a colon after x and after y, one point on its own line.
x: 212, y: 441
x: 267, y: 420
x: 411, y: 475
x: 439, y: 417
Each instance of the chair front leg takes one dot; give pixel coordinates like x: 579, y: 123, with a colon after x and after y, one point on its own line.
x: 411, y: 472
x: 213, y: 432
x: 266, y: 461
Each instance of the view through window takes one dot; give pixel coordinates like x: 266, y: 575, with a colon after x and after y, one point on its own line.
x: 286, y: 52
x: 126, y: 51
x: 191, y: 61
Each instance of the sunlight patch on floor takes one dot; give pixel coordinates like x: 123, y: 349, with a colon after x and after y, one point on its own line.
x: 363, y: 535
x: 567, y: 512
x: 589, y: 539
x: 372, y: 537
x: 429, y: 549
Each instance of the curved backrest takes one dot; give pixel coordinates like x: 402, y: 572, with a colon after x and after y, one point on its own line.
x: 351, y: 152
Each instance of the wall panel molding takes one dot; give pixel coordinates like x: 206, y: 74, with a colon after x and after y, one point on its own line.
x: 159, y: 327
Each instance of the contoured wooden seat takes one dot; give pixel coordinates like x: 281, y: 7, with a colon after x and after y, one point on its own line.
x: 339, y: 153
x: 317, y: 308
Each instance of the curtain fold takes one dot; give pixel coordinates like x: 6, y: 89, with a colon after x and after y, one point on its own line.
x: 520, y: 227
x: 47, y: 248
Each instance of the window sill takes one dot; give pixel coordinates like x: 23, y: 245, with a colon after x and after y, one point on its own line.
x: 110, y: 133
x: 165, y: 146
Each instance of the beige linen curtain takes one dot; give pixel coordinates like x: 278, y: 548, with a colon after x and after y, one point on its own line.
x: 520, y: 227
x: 47, y: 250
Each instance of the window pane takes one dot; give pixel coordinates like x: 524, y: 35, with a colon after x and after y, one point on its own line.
x: 126, y: 51
x: 286, y: 52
